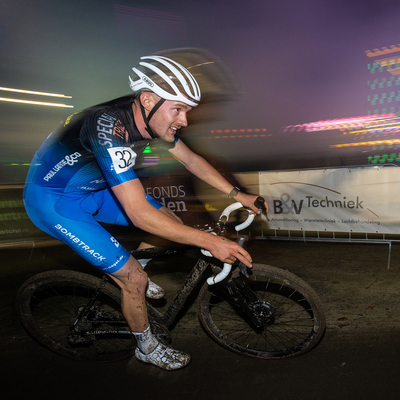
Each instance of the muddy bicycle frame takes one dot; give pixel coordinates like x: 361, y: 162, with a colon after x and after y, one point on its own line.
x: 163, y: 321
x: 266, y: 312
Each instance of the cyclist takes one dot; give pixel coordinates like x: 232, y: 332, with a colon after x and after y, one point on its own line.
x: 84, y: 173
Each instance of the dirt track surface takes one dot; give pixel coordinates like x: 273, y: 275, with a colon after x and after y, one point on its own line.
x: 357, y: 358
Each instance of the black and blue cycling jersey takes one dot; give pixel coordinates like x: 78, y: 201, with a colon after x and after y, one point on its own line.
x: 93, y: 149
x: 67, y: 191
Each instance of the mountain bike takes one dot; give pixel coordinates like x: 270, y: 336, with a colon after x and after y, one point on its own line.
x: 264, y: 312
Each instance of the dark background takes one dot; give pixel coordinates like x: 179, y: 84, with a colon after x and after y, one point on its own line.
x: 295, y: 62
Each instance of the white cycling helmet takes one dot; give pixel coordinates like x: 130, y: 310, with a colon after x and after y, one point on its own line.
x: 166, y: 78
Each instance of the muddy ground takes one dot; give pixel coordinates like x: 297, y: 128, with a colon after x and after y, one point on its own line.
x: 357, y: 358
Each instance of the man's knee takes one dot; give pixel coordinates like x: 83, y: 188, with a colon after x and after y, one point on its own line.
x: 131, y: 276
x: 138, y: 278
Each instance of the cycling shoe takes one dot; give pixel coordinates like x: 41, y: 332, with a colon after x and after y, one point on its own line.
x: 154, y: 291
x: 164, y: 357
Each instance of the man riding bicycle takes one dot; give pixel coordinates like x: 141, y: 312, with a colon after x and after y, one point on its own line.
x: 84, y: 174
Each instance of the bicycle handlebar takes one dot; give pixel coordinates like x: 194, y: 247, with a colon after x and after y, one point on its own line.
x: 234, y: 207
x: 225, y: 214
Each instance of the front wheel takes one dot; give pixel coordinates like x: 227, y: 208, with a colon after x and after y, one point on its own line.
x: 288, y: 314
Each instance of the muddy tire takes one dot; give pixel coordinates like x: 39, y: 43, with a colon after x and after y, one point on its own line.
x: 293, y: 321
x: 49, y: 304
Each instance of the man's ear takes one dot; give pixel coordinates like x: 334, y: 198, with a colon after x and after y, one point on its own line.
x: 147, y: 100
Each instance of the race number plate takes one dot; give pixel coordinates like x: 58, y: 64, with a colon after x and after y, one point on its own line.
x: 122, y: 158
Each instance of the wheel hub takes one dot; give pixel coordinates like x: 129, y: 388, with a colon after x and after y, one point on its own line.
x: 264, y: 311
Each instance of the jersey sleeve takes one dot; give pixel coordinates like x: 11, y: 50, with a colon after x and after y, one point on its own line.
x: 169, y: 146
x: 107, y: 138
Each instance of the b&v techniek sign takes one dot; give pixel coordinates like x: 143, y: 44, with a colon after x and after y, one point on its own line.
x: 336, y: 200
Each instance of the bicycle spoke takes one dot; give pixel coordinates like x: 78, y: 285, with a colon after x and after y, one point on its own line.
x: 50, y: 306
x: 286, y: 319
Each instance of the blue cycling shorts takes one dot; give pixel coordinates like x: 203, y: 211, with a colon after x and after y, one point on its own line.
x: 74, y: 219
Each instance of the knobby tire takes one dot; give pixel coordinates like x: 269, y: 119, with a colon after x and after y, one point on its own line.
x: 49, y: 303
x: 293, y: 321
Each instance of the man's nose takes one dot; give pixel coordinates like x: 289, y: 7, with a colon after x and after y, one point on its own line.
x: 183, y: 120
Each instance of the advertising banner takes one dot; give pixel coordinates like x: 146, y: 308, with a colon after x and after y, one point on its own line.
x: 177, y: 194
x: 362, y: 200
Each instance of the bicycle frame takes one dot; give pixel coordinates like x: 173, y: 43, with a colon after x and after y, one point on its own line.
x: 191, y: 282
x: 166, y: 319
x: 269, y: 313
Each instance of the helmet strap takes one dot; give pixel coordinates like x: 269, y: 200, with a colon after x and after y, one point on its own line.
x: 155, y: 108
x: 147, y: 119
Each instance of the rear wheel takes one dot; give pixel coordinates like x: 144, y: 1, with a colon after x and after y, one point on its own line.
x: 290, y: 320
x: 49, y: 304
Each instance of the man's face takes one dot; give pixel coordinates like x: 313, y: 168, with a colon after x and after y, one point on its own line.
x: 168, y: 119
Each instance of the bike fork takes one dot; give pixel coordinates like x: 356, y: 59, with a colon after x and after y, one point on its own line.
x: 243, y: 297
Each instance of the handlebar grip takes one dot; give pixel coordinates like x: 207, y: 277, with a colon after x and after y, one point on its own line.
x: 259, y: 202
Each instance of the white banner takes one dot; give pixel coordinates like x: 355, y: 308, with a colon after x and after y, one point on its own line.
x: 336, y: 200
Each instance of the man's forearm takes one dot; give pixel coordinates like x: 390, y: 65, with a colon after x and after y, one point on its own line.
x: 207, y: 173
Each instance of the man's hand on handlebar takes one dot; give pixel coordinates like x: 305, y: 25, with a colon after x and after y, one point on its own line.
x: 255, y: 203
x: 228, y: 251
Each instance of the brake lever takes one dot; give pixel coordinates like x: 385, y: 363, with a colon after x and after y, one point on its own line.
x: 259, y: 203
x: 243, y: 269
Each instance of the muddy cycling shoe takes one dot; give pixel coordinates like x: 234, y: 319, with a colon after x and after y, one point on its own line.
x: 154, y: 291
x: 164, y: 357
